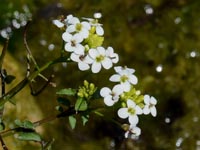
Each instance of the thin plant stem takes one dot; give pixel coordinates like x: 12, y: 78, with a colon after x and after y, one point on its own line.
x: 30, y: 56
x: 3, y: 53
x: 28, y: 79
x: 3, y: 144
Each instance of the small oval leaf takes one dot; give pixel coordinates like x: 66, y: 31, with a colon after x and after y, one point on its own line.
x: 72, y: 121
x: 29, y: 136
x: 69, y: 92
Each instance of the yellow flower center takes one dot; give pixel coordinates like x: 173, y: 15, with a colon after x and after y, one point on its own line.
x: 131, y: 111
x: 100, y: 58
x: 123, y: 78
x: 78, y: 26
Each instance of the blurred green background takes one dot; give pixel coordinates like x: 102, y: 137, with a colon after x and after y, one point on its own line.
x: 158, y: 38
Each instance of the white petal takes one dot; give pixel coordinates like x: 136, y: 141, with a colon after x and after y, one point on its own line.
x: 126, y: 134
x: 130, y: 103
x: 118, y: 69
x: 79, y: 49
x: 93, y: 53
x: 68, y: 47
x: 66, y: 37
x: 107, y: 63
x: 123, y: 113
x: 71, y: 29
x: 73, y: 20
x: 99, y: 30
x: 147, y: 99
x: 108, y: 101
x: 126, y: 86
x: 101, y: 50
x: 153, y: 111
x: 77, y: 38
x: 86, y: 25
x: 110, y: 50
x: 115, y: 78
x: 115, y: 58
x: 58, y: 23
x: 88, y: 60
x: 96, y: 67
x: 84, y: 33
x: 153, y: 100
x: 117, y: 89
x: 105, y: 91
x: 146, y: 110
x: 83, y: 66
x: 75, y: 57
x: 138, y: 110
x: 133, y: 79
x: 136, y: 131
x: 133, y: 119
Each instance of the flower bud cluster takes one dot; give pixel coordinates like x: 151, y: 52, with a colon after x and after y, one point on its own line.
x: 84, y: 39
x: 16, y: 20
x: 87, y: 90
x: 131, y: 101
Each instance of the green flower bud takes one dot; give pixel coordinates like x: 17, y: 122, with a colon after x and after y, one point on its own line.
x: 94, y: 40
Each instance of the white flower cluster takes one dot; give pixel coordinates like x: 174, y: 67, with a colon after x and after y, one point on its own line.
x: 83, y: 39
x: 18, y: 20
x: 133, y: 104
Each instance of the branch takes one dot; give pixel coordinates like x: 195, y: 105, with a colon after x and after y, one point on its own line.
x: 3, y: 144
x: 29, y: 53
x: 3, y: 53
x: 28, y: 79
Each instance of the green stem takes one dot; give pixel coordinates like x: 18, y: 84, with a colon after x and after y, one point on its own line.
x: 26, y: 80
x: 3, y: 53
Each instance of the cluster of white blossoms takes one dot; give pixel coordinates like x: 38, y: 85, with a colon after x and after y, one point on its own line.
x: 16, y: 20
x: 84, y: 39
x: 132, y: 103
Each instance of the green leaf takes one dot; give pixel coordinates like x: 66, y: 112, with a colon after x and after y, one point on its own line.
x: 81, y: 104
x: 63, y: 101
x: 29, y: 136
x: 69, y: 92
x: 72, y: 121
x: 9, y: 79
x: 2, y: 126
x: 25, y: 124
x: 85, y: 119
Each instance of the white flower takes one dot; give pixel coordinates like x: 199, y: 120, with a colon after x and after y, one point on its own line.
x: 113, y: 56
x: 99, y: 59
x: 82, y: 28
x: 130, y: 112
x: 111, y: 96
x: 133, y: 132
x: 97, y: 15
x: 58, y: 23
x: 82, y: 59
x: 119, y: 69
x: 98, y: 26
x: 73, y: 43
x: 149, y: 107
x: 125, y: 76
x: 70, y: 19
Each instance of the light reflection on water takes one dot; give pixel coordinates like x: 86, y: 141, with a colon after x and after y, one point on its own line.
x: 159, y: 68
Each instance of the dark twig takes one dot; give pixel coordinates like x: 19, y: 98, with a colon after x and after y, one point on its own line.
x: 35, y: 93
x: 3, y: 53
x: 29, y: 53
x: 3, y: 76
x: 3, y: 144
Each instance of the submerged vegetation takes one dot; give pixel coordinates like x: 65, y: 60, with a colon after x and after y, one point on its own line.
x: 159, y: 39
